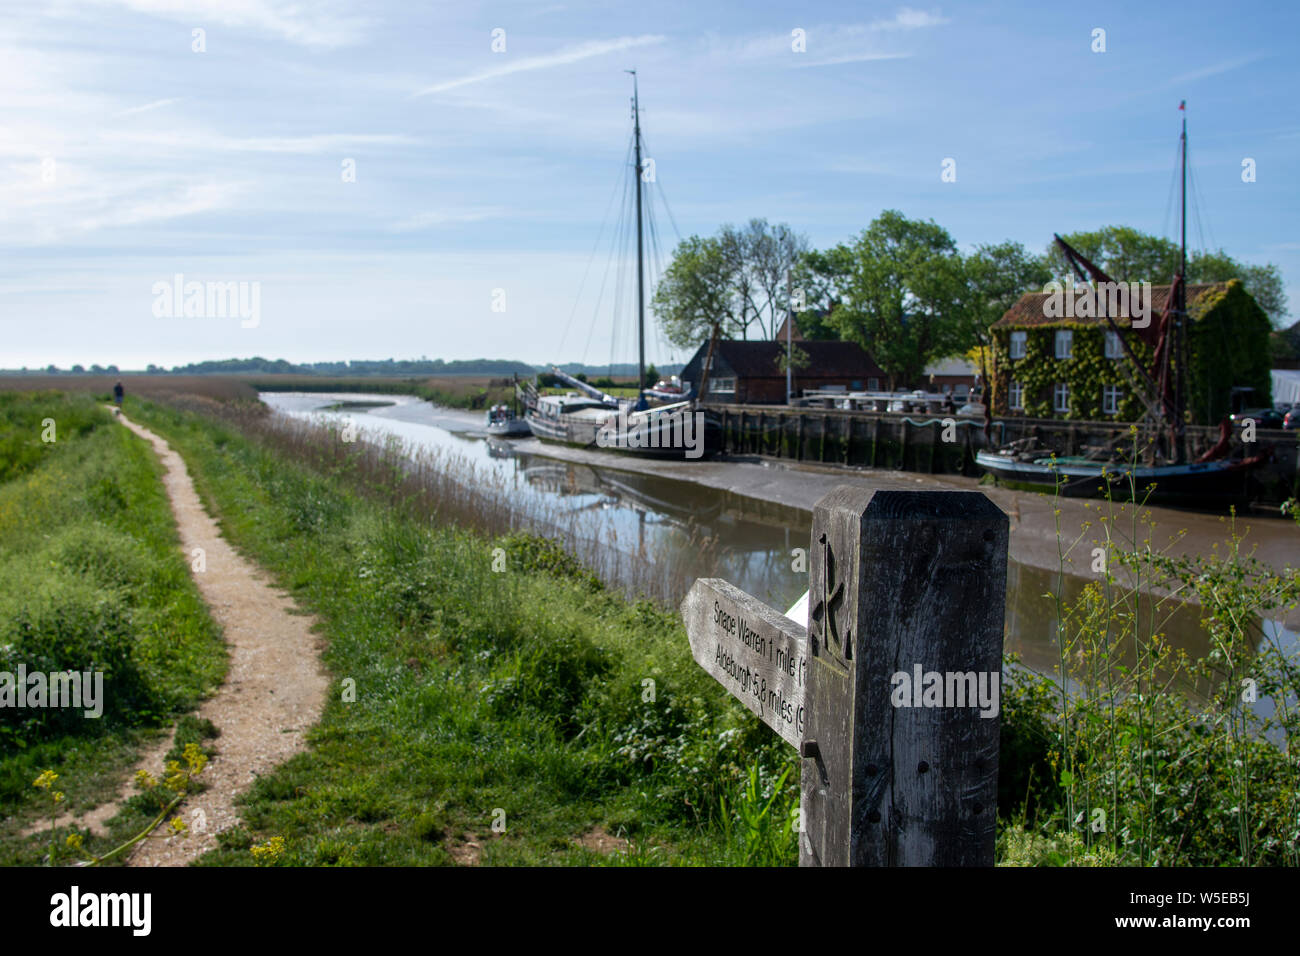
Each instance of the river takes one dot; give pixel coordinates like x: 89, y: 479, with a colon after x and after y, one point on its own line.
x: 691, y: 519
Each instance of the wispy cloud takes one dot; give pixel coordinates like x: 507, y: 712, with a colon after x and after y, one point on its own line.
x: 427, y: 220
x: 84, y: 201
x: 156, y: 104
x: 851, y: 58
x: 833, y: 44
x: 209, y: 142
x: 186, y: 201
x: 908, y: 19
x: 584, y: 51
x: 1183, y: 79
x: 315, y: 24
x: 1214, y: 69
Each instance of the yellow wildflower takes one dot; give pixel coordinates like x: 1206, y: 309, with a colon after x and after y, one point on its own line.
x: 45, y: 780
x: 270, y: 851
x: 195, y: 758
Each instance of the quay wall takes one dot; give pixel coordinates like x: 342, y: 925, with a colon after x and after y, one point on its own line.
x: 914, y: 441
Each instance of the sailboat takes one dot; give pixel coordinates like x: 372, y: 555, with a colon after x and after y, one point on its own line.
x: 1163, y: 390
x: 662, y: 421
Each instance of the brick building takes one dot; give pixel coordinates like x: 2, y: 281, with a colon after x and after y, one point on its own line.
x: 751, y: 372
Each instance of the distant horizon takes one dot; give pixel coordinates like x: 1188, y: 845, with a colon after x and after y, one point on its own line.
x: 619, y: 369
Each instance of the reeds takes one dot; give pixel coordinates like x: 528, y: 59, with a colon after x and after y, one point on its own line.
x: 444, y: 487
x: 1159, y: 758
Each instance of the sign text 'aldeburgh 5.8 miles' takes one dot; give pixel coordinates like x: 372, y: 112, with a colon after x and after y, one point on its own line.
x: 754, y: 651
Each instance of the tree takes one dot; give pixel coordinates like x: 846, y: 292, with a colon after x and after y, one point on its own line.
x: 1122, y: 252
x: 818, y: 279
x: 771, y: 254
x: 1127, y: 255
x: 798, y: 360
x: 732, y: 280
x: 651, y: 376
x: 1264, y: 283
x: 905, y: 294
x: 697, y: 293
x: 1280, y: 349
x: 996, y: 277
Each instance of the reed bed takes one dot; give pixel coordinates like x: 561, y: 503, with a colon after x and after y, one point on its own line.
x: 441, y: 487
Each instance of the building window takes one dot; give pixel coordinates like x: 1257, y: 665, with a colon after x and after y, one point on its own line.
x: 873, y: 385
x: 723, y: 386
x: 1061, y: 398
x: 1016, y: 397
x: 1113, y: 348
x: 1110, y: 395
x: 1018, y: 344
x: 1064, y: 344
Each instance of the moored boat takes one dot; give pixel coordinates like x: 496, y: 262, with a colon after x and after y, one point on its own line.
x: 662, y: 421
x: 1165, y: 472
x: 1075, y: 476
x: 502, y: 422
x: 597, y: 420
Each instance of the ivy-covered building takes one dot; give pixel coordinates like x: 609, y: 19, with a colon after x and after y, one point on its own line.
x: 1048, y: 366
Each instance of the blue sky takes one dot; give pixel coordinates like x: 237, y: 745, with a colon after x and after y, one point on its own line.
x: 127, y: 157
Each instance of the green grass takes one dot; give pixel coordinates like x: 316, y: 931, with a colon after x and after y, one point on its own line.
x: 538, y: 700
x: 459, y: 693
x: 462, y: 696
x: 91, y: 578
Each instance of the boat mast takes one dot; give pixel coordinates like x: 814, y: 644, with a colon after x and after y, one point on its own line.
x: 640, y: 270
x: 1180, y: 351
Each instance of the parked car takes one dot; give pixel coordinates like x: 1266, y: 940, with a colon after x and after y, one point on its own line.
x: 1262, y: 417
x: 1291, y: 420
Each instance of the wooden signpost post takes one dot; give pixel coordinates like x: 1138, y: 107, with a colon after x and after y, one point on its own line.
x: 891, y: 691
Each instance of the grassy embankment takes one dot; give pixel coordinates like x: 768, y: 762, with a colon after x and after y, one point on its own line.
x: 532, y: 698
x: 472, y: 393
x: 524, y: 691
x: 91, y: 578
x: 464, y: 697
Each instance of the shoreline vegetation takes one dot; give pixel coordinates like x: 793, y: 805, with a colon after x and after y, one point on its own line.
x: 533, y: 714
x: 467, y: 392
x: 91, y: 579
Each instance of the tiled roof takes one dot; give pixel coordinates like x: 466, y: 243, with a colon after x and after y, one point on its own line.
x: 1029, y: 309
x: 826, y: 359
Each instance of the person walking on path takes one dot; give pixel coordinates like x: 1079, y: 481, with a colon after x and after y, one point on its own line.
x: 117, y: 394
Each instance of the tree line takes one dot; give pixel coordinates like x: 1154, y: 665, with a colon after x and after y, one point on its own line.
x: 901, y: 288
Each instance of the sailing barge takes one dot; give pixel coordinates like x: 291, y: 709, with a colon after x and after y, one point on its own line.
x: 663, y: 421
x: 1164, y: 472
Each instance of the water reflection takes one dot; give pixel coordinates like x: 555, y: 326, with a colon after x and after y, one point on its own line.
x: 681, y: 531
